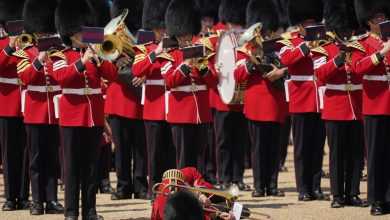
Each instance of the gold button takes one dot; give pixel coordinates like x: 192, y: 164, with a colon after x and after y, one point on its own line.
x: 348, y: 87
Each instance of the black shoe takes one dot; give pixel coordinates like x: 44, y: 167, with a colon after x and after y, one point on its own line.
x: 106, y: 189
x: 337, y: 202
x: 305, y: 197
x: 141, y: 195
x: 120, y: 196
x: 36, y: 208
x: 355, y: 201
x: 71, y: 218
x: 319, y: 195
x: 283, y: 169
x: 23, y: 204
x: 94, y: 217
x: 54, y: 207
x: 377, y: 209
x: 258, y: 193
x: 275, y: 192
x: 9, y: 205
x: 243, y: 187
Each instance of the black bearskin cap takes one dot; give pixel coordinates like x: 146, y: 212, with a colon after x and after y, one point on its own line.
x: 263, y: 11
x: 182, y: 18
x: 233, y: 11
x: 154, y: 14
x: 10, y: 10
x: 134, y: 18
x: 38, y: 16
x: 301, y: 10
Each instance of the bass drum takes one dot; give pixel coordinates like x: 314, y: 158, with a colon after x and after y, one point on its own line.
x: 229, y: 91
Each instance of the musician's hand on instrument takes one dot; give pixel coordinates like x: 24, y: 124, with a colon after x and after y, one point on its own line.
x: 42, y: 56
x: 159, y: 48
x: 138, y: 81
x: 227, y: 216
x: 12, y: 41
x: 204, y: 200
x: 88, y: 55
x: 275, y: 74
x: 386, y: 48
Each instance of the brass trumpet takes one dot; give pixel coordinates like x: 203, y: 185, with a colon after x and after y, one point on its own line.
x: 24, y: 40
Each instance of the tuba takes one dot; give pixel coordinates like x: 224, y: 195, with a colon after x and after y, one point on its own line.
x: 117, y: 39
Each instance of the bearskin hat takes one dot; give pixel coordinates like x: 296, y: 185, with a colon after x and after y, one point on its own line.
x: 183, y: 205
x: 134, y: 18
x: 233, y: 11
x: 11, y: 10
x: 366, y: 9
x: 38, y: 16
x: 263, y: 11
x: 208, y: 8
x: 182, y: 18
x: 154, y: 14
x: 301, y: 10
x: 339, y: 16
x: 282, y: 9
x: 71, y: 15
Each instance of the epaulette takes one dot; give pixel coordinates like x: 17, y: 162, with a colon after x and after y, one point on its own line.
x: 286, y: 35
x: 58, y: 54
x: 166, y: 56
x: 142, y: 47
x: 285, y: 42
x: 320, y: 50
x: 23, y: 65
x: 243, y: 50
x: 356, y: 45
x: 21, y: 54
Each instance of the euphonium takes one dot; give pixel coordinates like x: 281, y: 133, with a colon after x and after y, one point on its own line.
x: 117, y: 39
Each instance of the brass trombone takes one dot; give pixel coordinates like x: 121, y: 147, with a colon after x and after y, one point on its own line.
x: 230, y: 196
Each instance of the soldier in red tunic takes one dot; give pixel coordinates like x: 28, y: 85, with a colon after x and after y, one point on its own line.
x: 308, y: 128
x: 231, y: 131
x: 266, y: 114
x: 34, y: 68
x: 371, y: 60
x: 342, y: 106
x: 147, y: 63
x: 81, y: 106
x: 124, y: 109
x: 12, y: 130
x: 209, y: 37
x: 188, y: 103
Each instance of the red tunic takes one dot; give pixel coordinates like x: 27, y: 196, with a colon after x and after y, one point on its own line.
x: 41, y: 88
x: 192, y: 178
x: 188, y: 98
x: 85, y: 109
x: 122, y: 101
x: 302, y: 89
x: 155, y: 90
x: 262, y: 101
x: 10, y: 89
x: 376, y: 80
x: 343, y: 95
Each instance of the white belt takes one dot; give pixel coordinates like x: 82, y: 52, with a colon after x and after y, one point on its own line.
x: 13, y: 81
x: 190, y: 88
x: 43, y: 88
x: 83, y: 91
x: 377, y: 77
x: 155, y: 82
x: 344, y: 87
x: 302, y: 78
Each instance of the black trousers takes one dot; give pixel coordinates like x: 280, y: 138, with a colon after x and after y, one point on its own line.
x: 104, y: 164
x: 284, y: 140
x: 160, y: 148
x: 209, y: 169
x: 309, y: 139
x: 43, y: 141
x: 231, y: 132
x: 14, y: 157
x: 346, y: 144
x: 190, y: 140
x: 377, y: 134
x: 80, y: 156
x: 130, y: 149
x: 265, y: 153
